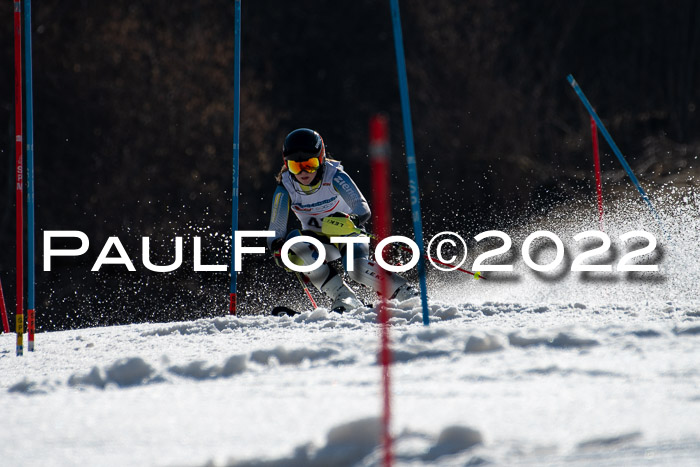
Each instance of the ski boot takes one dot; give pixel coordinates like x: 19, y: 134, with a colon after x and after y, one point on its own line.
x: 404, y: 293
x: 343, y: 297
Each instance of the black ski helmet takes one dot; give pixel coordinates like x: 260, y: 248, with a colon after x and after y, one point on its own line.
x: 303, y: 144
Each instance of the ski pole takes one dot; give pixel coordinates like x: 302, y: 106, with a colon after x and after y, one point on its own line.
x: 344, y: 226
x: 477, y: 275
x: 306, y: 289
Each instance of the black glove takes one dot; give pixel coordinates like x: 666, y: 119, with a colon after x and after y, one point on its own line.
x: 353, y: 217
x: 276, y: 251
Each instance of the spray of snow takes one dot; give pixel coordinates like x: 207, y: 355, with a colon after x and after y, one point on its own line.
x: 520, y: 370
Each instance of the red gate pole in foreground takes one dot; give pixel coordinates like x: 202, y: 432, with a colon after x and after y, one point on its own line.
x: 19, y: 192
x: 596, y: 162
x: 3, y: 313
x: 379, y: 163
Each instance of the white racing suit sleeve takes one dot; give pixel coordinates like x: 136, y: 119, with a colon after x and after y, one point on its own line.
x: 347, y: 189
x: 279, y: 214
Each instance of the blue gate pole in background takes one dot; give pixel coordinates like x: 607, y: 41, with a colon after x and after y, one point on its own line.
x: 410, y: 154
x: 614, y: 147
x: 236, y: 146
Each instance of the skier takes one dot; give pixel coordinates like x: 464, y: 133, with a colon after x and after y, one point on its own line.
x: 314, y: 187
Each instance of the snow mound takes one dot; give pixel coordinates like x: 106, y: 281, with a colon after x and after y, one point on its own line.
x: 646, y: 333
x: 453, y: 440
x: 403, y: 313
x: 609, y: 440
x: 135, y: 371
x: 688, y: 331
x: 201, y: 370
x: 319, y: 314
x: 516, y: 339
x: 291, y: 357
x: 565, y: 340
x: 124, y: 373
x: 428, y: 335
x: 27, y: 387
x: 413, y: 352
x: 446, y: 313
x: 200, y: 326
x: 485, y: 342
x: 562, y: 340
x: 349, y: 443
x: 358, y: 443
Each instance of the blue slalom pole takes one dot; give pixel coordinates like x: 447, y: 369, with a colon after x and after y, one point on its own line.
x: 29, y: 102
x: 236, y: 146
x: 410, y: 154
x: 614, y: 147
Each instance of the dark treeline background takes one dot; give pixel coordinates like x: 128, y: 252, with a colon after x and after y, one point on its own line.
x: 134, y: 122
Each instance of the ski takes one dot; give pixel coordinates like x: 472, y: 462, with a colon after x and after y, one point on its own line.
x: 283, y: 311
x: 286, y: 311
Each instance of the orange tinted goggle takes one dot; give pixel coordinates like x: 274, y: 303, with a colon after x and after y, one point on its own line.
x: 310, y: 165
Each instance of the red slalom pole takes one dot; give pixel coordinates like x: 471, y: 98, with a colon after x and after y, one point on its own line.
x: 596, y: 162
x: 379, y: 164
x: 19, y: 192
x: 306, y: 289
x: 3, y: 313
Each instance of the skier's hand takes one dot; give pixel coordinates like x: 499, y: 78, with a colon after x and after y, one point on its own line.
x: 353, y: 217
x: 276, y: 250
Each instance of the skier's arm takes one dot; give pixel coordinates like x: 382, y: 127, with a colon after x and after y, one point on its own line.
x: 347, y: 189
x: 279, y: 214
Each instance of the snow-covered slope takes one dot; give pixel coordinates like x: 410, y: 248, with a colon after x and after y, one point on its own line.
x: 524, y: 371
x: 530, y: 382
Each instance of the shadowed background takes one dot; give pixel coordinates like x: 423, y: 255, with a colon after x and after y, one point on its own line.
x: 134, y: 116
